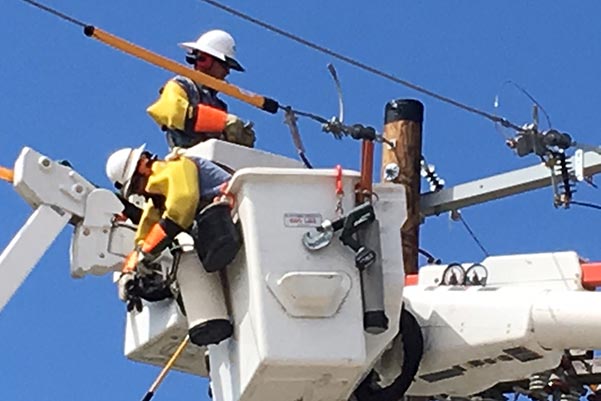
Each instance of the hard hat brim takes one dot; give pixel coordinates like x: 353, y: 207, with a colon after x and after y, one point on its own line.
x: 231, y: 63
x: 132, y: 165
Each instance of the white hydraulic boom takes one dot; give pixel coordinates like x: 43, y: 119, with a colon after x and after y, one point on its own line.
x: 298, y: 301
x: 60, y: 195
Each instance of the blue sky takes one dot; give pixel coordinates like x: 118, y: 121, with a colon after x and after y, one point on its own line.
x: 73, y: 98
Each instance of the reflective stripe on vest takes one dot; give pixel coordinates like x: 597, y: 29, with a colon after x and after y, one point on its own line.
x: 196, y: 95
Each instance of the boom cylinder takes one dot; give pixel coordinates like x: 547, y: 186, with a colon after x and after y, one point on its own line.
x: 563, y: 320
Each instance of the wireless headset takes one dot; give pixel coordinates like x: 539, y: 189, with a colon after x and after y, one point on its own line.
x: 196, y: 58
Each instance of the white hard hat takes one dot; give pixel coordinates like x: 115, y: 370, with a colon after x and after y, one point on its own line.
x: 121, y: 166
x: 218, y: 44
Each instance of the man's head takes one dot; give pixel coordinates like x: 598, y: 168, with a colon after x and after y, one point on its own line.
x: 213, y: 53
x: 129, y: 169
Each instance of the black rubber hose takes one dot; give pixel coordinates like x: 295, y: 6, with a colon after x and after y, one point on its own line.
x: 413, y: 349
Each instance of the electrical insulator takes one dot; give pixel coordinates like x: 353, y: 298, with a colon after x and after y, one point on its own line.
x: 391, y: 172
x: 428, y: 171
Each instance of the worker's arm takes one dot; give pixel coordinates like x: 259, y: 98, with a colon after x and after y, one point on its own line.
x: 177, y: 181
x: 173, y: 110
x: 150, y: 216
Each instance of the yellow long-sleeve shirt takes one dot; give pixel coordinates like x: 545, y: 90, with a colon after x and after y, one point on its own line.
x: 174, y: 110
x: 175, y: 187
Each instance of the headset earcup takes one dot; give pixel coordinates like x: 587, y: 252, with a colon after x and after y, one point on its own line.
x: 190, y: 59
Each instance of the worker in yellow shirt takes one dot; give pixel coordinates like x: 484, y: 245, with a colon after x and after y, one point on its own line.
x: 175, y: 191
x: 189, y: 113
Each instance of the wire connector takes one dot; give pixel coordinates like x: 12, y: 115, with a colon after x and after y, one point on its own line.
x: 530, y: 140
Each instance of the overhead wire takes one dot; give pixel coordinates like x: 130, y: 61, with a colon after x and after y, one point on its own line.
x: 529, y: 96
x: 472, y: 234
x: 363, y: 66
x: 586, y: 204
x: 532, y: 99
x: 56, y: 13
x: 264, y: 103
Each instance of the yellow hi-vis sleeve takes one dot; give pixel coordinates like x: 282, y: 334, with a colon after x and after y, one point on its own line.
x: 177, y: 181
x: 171, y: 108
x: 150, y: 216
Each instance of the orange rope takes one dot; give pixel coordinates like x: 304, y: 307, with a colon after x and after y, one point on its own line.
x: 6, y: 174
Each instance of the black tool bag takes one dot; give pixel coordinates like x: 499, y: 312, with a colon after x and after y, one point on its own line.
x: 216, y: 238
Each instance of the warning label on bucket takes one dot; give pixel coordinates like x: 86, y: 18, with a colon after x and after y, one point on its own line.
x: 302, y: 219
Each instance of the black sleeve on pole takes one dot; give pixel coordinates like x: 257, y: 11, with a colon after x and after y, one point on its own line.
x: 404, y: 109
x: 270, y: 105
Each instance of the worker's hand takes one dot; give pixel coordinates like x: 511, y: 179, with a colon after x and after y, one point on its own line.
x: 128, y: 282
x: 130, y: 264
x: 236, y: 131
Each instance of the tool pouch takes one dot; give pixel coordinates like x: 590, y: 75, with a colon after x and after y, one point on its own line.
x: 216, y: 238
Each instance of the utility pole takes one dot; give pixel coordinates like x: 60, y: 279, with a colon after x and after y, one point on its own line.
x: 403, y: 120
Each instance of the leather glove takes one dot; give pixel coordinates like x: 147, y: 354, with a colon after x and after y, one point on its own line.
x: 236, y: 131
x: 127, y: 284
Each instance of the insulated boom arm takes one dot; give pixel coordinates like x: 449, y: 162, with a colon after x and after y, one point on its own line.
x: 27, y: 247
x: 59, y: 196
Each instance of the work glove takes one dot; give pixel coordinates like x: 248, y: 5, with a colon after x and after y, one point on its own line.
x: 127, y: 284
x: 238, y: 132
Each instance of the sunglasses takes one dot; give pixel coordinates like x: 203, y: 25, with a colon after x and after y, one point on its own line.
x: 195, y: 58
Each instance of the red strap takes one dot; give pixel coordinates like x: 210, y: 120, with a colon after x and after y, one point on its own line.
x: 339, y: 190
x: 224, y: 193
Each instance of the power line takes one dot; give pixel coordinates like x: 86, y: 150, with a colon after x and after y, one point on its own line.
x: 496, y: 119
x: 586, y: 204
x: 472, y: 234
x: 57, y: 13
x: 532, y: 99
